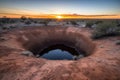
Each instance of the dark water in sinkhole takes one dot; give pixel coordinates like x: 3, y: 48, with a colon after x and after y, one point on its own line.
x: 58, y: 54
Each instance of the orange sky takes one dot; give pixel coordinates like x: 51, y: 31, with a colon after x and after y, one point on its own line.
x: 63, y: 16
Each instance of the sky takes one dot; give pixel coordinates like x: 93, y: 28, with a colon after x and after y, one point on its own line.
x: 41, y: 7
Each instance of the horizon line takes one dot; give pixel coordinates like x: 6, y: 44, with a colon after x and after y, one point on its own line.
x: 14, y: 15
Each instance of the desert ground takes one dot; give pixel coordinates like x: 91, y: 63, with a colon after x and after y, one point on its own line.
x: 102, y: 60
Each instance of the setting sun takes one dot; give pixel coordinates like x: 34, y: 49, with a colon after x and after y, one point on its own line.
x: 59, y: 17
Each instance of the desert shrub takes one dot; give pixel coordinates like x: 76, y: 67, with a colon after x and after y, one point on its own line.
x: 4, y: 20
x: 1, y: 24
x: 45, y: 22
x: 5, y: 27
x: 98, y: 22
x: 27, y: 22
x: 73, y: 23
x: 12, y: 21
x: 89, y: 24
x: 118, y: 22
x: 105, y: 29
x: 23, y: 18
x: 35, y: 21
x: 30, y: 19
x: 11, y: 27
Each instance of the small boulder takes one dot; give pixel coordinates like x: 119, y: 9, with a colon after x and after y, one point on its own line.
x: 117, y: 42
x: 37, y: 56
x: 101, y: 46
x: 78, y: 57
x: 74, y: 57
x: 27, y: 53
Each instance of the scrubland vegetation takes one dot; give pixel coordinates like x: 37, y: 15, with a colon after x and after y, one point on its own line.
x: 106, y: 29
x: 100, y: 28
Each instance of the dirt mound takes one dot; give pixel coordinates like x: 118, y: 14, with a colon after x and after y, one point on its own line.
x: 101, y: 62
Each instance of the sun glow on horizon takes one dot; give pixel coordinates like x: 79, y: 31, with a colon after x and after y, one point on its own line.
x: 62, y: 16
x: 59, y: 17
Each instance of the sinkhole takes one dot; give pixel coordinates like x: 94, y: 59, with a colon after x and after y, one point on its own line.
x: 57, y: 43
x: 60, y: 52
